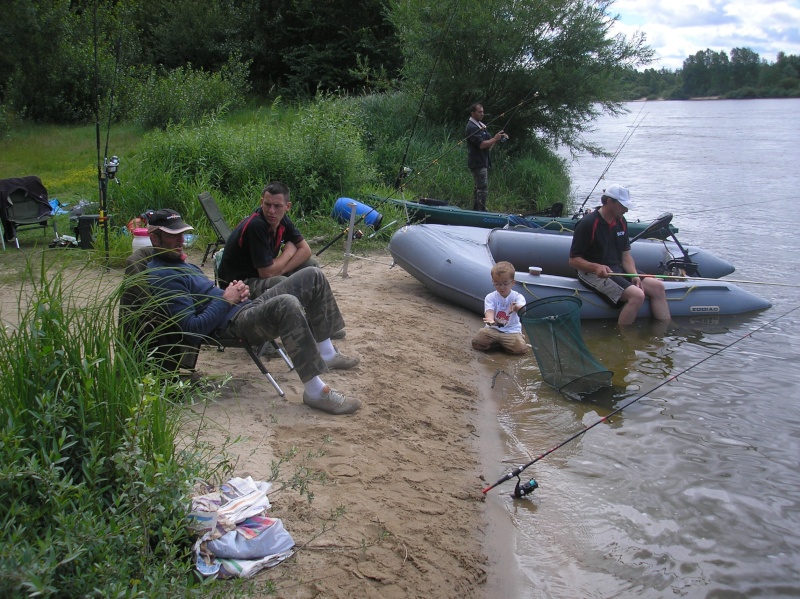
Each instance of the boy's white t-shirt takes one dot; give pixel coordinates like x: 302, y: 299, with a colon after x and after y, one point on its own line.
x: 507, y: 321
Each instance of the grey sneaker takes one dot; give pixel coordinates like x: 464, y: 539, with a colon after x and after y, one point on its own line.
x: 333, y: 402
x: 342, y: 362
x: 268, y: 351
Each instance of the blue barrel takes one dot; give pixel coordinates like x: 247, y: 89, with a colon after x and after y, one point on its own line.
x: 341, y: 212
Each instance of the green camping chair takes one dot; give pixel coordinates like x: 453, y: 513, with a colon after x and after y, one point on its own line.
x: 221, y: 228
x: 24, y: 204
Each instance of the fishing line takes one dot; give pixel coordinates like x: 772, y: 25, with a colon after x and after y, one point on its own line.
x: 514, y: 110
x: 614, y: 156
x: 724, y: 207
x: 526, y: 488
x: 680, y: 278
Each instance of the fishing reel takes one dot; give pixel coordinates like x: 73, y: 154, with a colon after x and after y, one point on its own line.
x: 523, y: 489
x: 357, y: 234
x: 111, y: 166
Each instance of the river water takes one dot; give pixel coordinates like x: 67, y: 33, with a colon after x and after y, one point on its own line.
x: 694, y: 490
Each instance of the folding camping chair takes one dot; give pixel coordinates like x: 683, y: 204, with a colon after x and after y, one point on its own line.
x: 24, y: 204
x: 221, y: 228
x: 140, y: 318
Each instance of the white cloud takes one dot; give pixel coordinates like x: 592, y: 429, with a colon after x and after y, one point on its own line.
x: 681, y: 28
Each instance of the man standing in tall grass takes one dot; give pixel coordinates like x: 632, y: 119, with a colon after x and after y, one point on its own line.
x: 301, y: 310
x: 479, y: 142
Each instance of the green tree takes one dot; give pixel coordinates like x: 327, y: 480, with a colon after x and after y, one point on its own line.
x: 305, y: 46
x: 707, y: 73
x: 174, y: 34
x: 48, y: 70
x: 744, y: 68
x: 504, y: 51
x: 719, y: 73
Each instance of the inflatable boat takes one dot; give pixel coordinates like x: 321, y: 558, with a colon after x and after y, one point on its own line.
x: 455, y: 262
x: 434, y: 212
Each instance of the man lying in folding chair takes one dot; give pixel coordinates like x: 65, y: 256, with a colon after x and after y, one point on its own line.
x: 300, y: 310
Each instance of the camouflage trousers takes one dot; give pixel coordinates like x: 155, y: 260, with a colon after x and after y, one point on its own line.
x: 481, y: 192
x: 258, y: 286
x: 301, y: 310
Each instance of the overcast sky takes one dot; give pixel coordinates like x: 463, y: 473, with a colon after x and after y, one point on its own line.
x: 677, y: 29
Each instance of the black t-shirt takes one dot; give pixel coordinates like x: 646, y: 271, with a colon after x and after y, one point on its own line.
x: 253, y: 245
x: 598, y: 241
x: 475, y: 134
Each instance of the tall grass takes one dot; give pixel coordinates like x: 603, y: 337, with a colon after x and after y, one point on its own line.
x: 93, y: 487
x: 65, y: 157
x: 324, y: 150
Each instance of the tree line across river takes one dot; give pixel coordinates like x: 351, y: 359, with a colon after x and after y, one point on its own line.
x: 743, y: 74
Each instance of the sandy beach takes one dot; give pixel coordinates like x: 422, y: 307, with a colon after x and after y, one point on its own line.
x: 392, y: 504
x: 400, y: 513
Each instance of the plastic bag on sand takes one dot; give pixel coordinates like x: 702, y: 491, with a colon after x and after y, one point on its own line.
x: 237, y: 538
x: 270, y: 538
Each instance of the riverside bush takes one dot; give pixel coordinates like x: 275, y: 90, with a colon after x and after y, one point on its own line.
x: 5, y: 125
x: 523, y: 178
x: 185, y: 95
x: 318, y: 153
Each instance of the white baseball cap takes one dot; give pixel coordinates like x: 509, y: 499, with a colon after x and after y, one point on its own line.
x: 621, y: 194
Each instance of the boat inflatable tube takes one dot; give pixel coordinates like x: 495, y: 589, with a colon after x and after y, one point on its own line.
x: 341, y: 212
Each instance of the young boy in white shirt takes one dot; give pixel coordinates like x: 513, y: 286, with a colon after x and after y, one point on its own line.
x: 502, y: 328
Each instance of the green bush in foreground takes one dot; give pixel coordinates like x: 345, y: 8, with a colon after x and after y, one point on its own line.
x: 93, y: 487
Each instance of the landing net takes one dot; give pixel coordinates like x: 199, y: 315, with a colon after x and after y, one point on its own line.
x: 553, y: 327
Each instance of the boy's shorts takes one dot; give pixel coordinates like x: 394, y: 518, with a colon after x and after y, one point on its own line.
x: 490, y: 338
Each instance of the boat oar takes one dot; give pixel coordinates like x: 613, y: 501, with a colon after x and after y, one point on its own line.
x: 680, y: 278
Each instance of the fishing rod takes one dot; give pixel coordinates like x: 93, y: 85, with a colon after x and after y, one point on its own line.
x: 680, y: 278
x: 614, y: 156
x: 432, y: 163
x: 404, y: 170
x: 107, y: 168
x: 526, y: 488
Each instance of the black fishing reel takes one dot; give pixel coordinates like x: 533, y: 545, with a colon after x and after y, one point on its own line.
x: 522, y: 489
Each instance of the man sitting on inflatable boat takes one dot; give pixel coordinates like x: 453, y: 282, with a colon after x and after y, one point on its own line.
x: 601, y: 252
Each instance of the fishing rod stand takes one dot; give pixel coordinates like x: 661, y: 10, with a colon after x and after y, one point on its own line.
x: 522, y: 489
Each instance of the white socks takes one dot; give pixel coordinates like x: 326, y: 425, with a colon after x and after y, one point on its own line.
x: 315, y: 388
x: 326, y: 350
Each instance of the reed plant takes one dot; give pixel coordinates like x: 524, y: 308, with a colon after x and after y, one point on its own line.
x: 93, y: 484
